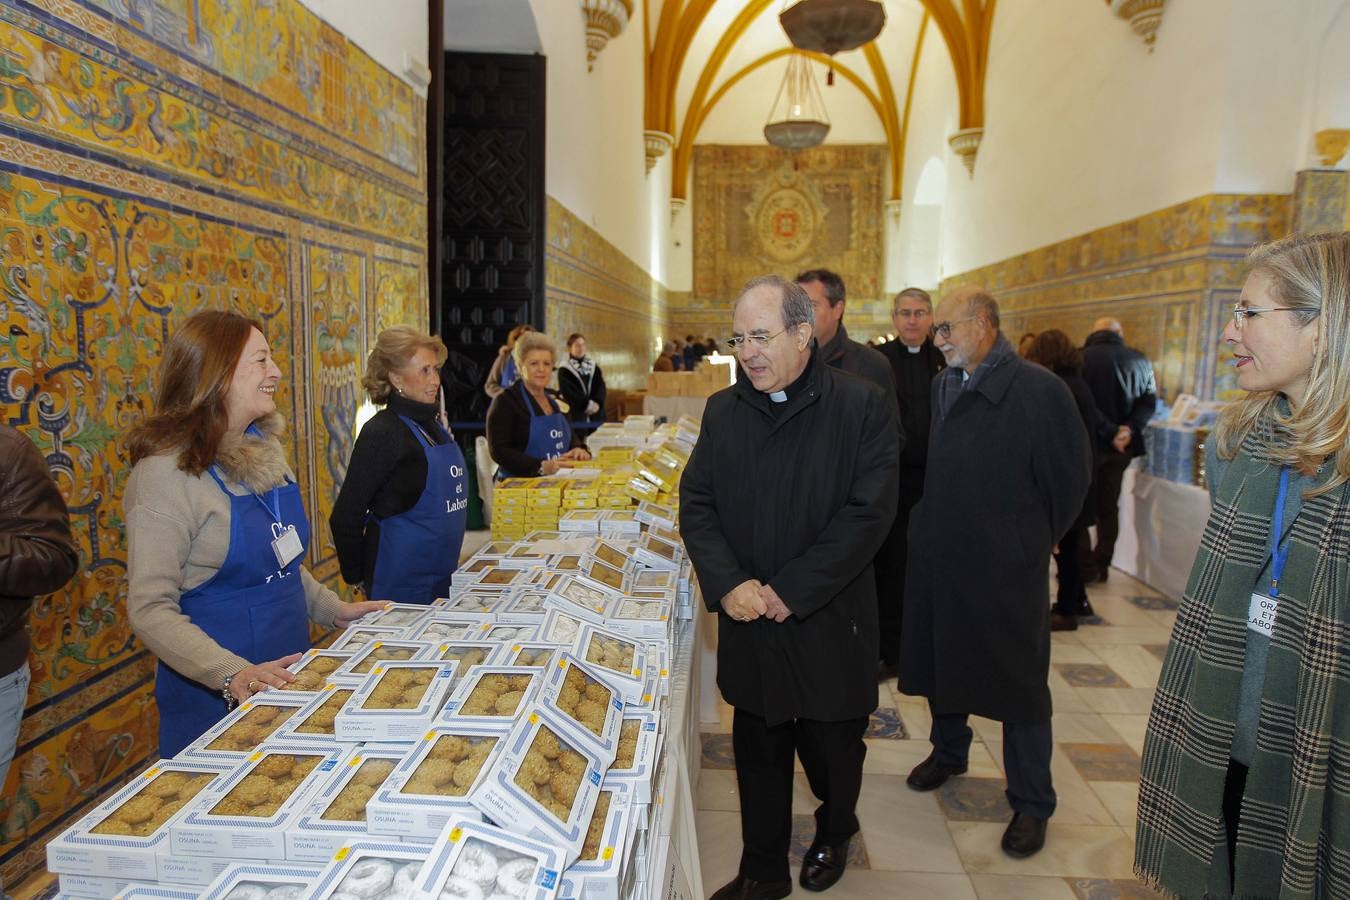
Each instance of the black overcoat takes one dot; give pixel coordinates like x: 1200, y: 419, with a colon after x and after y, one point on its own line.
x: 1008, y: 469
x: 800, y: 502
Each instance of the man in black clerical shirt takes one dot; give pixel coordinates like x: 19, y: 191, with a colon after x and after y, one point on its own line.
x: 914, y: 362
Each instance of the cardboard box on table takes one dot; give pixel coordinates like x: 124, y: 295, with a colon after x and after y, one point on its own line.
x: 525, y: 608
x: 578, y: 693
x: 230, y: 822
x: 423, y: 792
x: 381, y: 868
x: 315, y: 722
x: 619, y: 659
x: 494, y: 861
x: 155, y: 892
x: 638, y: 754
x: 243, y: 730
x: 478, y: 600
x: 598, y: 872
x: 360, y: 663
x: 285, y: 881
x: 313, y: 670
x: 514, y: 632
x: 336, y: 814
x: 97, y: 847
x: 364, y: 718
x: 534, y: 654
x: 397, y: 615
x: 354, y: 637
x: 444, y: 626
x: 647, y: 620
x: 580, y: 600
x: 478, y: 700
x: 560, y: 627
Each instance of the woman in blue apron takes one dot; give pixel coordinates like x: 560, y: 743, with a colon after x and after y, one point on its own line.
x: 503, y: 372
x: 527, y: 429
x: 398, y: 523
x: 217, y: 532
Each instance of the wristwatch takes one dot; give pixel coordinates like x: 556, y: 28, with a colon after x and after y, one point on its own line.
x: 230, y: 701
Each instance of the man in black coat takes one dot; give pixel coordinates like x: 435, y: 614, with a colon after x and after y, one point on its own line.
x: 826, y: 290
x: 1121, y: 379
x: 787, y: 496
x: 1008, y: 471
x: 914, y: 362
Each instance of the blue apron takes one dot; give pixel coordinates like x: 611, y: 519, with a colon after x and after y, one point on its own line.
x: 508, y: 371
x: 249, y: 607
x: 419, y: 549
x: 550, y: 434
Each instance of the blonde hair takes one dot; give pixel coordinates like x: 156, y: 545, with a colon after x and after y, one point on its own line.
x: 532, y: 340
x: 1310, y: 273
x: 394, y: 349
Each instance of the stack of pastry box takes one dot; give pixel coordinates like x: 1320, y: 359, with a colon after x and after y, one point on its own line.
x: 506, y: 740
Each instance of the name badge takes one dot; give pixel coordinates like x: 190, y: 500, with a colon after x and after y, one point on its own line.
x: 1261, y: 613
x: 286, y: 544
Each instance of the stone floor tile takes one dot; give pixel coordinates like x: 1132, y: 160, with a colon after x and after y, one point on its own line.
x: 1088, y: 675
x: 1130, y: 727
x: 1086, y: 851
x: 1103, y: 762
x: 1021, y: 887
x: 1120, y: 701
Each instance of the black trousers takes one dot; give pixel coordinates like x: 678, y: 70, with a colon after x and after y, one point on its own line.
x: 1234, y: 784
x: 1026, y: 759
x: 1106, y: 491
x: 832, y: 755
x: 1071, y: 599
x: 890, y: 566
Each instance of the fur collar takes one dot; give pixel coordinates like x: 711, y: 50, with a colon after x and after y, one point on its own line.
x: 258, y: 463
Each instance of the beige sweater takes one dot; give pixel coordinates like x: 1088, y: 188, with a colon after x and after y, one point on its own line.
x: 178, y: 533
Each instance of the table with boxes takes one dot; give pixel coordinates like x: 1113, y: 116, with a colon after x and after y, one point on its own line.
x: 530, y: 735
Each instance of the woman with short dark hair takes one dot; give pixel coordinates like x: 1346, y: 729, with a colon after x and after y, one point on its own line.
x: 581, y: 382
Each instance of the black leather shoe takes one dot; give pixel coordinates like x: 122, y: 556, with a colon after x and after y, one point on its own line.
x: 931, y: 774
x: 742, y: 888
x: 1061, y: 622
x: 1025, y: 835
x: 823, y: 865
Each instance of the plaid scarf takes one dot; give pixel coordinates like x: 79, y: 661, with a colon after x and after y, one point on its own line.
x: 1294, y: 830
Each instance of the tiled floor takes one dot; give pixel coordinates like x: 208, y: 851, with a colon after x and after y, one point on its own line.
x: 945, y: 844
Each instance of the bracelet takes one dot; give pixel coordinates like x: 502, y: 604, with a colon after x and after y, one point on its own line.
x: 230, y: 701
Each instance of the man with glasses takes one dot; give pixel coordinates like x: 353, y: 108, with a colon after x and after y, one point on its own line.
x: 1121, y: 380
x: 1008, y: 471
x: 914, y: 363
x: 788, y: 494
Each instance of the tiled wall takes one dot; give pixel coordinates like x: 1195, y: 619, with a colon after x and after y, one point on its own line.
x: 157, y: 158
x: 594, y: 289
x: 759, y: 210
x: 1170, y: 277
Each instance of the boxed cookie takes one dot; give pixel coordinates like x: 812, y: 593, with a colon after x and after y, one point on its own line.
x: 336, y: 813
x: 602, y: 576
x: 566, y: 563
x: 584, y: 521
x: 580, y: 600
x: 637, y: 752
x: 536, y: 654
x: 560, y: 627
x: 526, y: 607
x: 244, y: 729
x: 499, y: 578
x: 432, y: 782
x: 474, y: 859
x: 478, y: 602
x: 134, y: 891
x: 608, y: 552
x: 246, y: 813
x: 510, y: 634
x: 649, y: 513
x: 641, y: 618
x: 315, y: 721
x: 482, y: 562
x: 397, y: 615
x: 619, y: 659
x: 354, y: 637
x: 441, y: 626
x: 383, y: 650
x: 127, y: 835
x: 545, y: 782
x: 313, y: 669
x: 621, y: 523
x: 469, y: 653
x: 259, y: 881
x: 580, y: 695
x: 371, y: 870
x: 597, y: 872
x: 492, y: 695
x: 396, y: 702
x: 657, y: 553
x: 657, y: 580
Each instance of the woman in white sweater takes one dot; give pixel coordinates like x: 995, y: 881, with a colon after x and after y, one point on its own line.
x: 217, y: 532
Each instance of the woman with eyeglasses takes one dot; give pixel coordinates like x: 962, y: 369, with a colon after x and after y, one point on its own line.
x: 1245, y: 783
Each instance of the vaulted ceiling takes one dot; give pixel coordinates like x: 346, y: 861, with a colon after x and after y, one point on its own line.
x: 698, y: 51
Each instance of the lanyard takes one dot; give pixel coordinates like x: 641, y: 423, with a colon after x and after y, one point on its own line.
x: 1279, y: 556
x: 272, y: 504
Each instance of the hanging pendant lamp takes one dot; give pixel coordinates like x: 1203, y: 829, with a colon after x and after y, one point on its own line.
x: 832, y: 26
x: 797, y: 119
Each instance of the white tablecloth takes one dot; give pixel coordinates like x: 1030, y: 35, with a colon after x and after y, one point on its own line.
x: 1160, y: 526
x: 674, y: 407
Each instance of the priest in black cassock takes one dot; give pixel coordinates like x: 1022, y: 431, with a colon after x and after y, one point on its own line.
x: 914, y: 363
x: 788, y: 494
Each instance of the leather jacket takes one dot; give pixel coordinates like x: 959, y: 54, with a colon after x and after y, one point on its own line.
x: 37, y: 553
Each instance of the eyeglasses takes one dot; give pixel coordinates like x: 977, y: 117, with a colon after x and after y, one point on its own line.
x: 759, y: 340
x: 1242, y: 313
x: 944, y: 329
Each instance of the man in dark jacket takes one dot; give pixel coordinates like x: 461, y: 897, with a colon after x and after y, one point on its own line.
x: 786, y: 498
x: 1008, y: 470
x: 826, y: 290
x: 1122, y: 384
x: 914, y: 362
x: 37, y: 556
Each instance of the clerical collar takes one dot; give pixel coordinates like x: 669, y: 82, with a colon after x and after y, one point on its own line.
x: 795, y: 388
x: 778, y: 396
x: 913, y: 349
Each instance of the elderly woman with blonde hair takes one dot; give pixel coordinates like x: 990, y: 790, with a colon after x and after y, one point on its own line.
x: 1245, y: 783
x: 527, y: 431
x: 398, y: 523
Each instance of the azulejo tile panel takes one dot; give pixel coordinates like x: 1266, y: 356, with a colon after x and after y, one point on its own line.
x: 593, y: 289
x: 1166, y: 276
x: 157, y: 158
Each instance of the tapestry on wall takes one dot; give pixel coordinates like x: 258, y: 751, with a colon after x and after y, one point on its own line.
x: 157, y: 158
x: 760, y: 210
